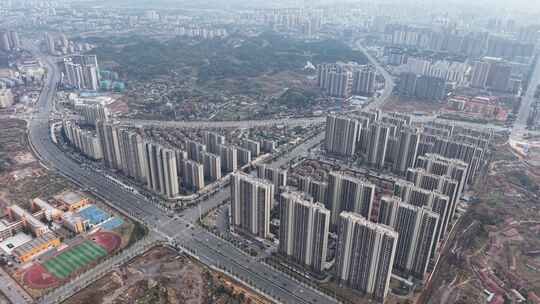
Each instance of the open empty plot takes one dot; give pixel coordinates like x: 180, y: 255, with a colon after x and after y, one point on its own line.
x: 67, y: 262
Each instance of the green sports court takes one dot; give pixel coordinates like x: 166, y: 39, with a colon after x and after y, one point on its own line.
x: 68, y: 261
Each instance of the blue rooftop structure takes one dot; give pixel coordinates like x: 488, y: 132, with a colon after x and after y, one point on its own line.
x: 94, y: 215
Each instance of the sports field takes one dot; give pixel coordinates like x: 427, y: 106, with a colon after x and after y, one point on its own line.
x: 50, y: 273
x: 64, y: 264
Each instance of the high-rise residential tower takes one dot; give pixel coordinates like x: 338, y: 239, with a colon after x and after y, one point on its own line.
x: 416, y: 227
x: 303, y: 232
x: 341, y: 135
x: 348, y: 193
x: 251, y: 200
x: 365, y: 255
x: 162, y: 171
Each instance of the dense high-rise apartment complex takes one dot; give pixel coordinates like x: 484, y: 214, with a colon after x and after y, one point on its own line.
x: 406, y: 150
x: 438, y: 202
x: 430, y: 88
x: 447, y: 70
x: 181, y: 155
x: 316, y: 189
x: 390, y: 141
x: 82, y: 72
x: 422, y: 87
x: 92, y: 113
x: 303, y: 232
x: 251, y: 200
x: 74, y: 74
x: 213, y: 141
x: 348, y: 193
x: 341, y: 135
x: 108, y: 136
x: 90, y: 77
x: 84, y: 141
x: 503, y: 47
x: 479, y: 74
x: 159, y: 167
x: 453, y: 168
x: 446, y: 176
x: 229, y: 158
x: 335, y: 80
x: 407, y: 84
x: 339, y: 84
x: 268, y: 146
x: 244, y: 156
x: 212, y: 166
x: 192, y: 175
x: 276, y: 176
x: 379, y: 136
x: 162, y: 173
x: 365, y: 255
x: 195, y: 150
x: 416, y: 227
x: 343, y: 79
x: 469, y: 43
x: 123, y: 149
x: 499, y: 76
x: 364, y: 80
x: 491, y: 73
x: 467, y: 145
x: 132, y: 154
x: 470, y: 153
x: 254, y: 147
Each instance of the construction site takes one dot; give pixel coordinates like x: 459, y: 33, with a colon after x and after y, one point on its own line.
x: 162, y: 276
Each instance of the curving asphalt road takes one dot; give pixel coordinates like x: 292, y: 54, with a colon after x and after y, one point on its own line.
x: 388, y: 79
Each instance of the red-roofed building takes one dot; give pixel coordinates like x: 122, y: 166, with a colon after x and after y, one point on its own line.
x: 485, y: 107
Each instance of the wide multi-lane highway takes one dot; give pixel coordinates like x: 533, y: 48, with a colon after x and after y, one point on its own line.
x: 389, y: 83
x: 221, y: 124
x: 208, y: 248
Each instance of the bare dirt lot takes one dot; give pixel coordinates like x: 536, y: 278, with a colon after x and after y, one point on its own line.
x: 21, y: 176
x: 405, y: 105
x: 163, y: 276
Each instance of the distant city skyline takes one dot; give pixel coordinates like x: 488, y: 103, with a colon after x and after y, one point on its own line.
x: 503, y: 6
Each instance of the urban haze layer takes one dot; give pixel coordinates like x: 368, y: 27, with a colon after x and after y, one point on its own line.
x: 280, y: 151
